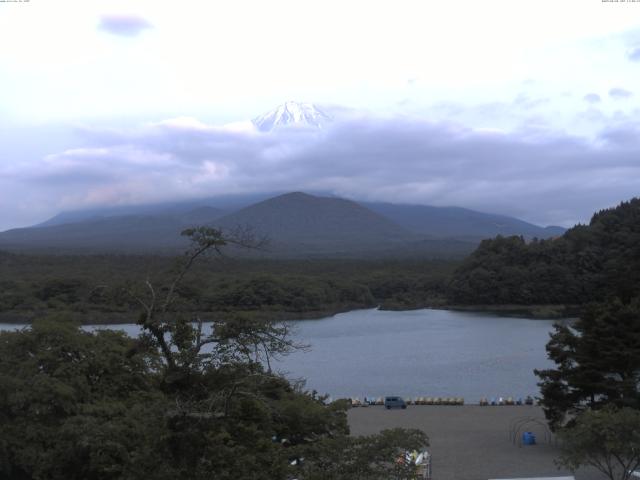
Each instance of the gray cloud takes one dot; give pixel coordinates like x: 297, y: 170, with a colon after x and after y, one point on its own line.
x: 124, y: 25
x: 623, y: 135
x: 592, y: 98
x: 619, y: 93
x: 539, y: 175
x: 525, y: 101
x: 634, y: 54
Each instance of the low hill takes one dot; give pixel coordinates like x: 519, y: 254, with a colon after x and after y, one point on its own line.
x: 588, y: 263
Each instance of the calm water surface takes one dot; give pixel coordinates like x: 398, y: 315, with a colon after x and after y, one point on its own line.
x: 416, y: 353
x: 421, y: 352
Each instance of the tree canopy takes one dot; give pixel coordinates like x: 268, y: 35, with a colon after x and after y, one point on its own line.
x: 187, y: 399
x: 588, y: 263
x: 607, y: 439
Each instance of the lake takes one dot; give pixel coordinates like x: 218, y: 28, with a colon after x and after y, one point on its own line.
x: 437, y: 353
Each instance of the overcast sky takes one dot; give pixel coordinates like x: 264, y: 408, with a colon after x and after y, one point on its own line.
x: 525, y: 108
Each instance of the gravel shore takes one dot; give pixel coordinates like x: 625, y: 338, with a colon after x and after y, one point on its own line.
x: 472, y: 442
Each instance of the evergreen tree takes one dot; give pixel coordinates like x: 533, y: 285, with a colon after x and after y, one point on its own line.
x: 598, y: 362
x: 588, y: 263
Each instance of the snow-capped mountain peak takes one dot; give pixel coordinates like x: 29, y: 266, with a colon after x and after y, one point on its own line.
x: 292, y: 114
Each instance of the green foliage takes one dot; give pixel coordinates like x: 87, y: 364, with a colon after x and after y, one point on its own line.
x: 72, y: 401
x: 598, y: 362
x: 372, y: 457
x: 96, y: 289
x: 588, y: 263
x: 64, y: 290
x: 181, y: 401
x: 607, y: 439
x: 79, y: 405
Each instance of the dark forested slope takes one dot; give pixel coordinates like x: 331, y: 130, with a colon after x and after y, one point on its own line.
x: 587, y: 263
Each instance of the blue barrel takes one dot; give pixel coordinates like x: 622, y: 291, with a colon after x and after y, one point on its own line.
x: 528, y: 438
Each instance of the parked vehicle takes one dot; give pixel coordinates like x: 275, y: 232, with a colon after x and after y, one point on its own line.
x: 394, y: 402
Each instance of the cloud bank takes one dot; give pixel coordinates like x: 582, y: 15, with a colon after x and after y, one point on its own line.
x: 592, y: 98
x: 541, y: 177
x: 620, y: 93
x: 123, y: 25
x: 634, y: 54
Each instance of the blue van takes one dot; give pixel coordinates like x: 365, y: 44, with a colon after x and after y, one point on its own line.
x: 394, y: 402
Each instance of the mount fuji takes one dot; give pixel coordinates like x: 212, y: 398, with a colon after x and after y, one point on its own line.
x: 292, y: 114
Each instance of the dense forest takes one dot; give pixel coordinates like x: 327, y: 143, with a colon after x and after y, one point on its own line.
x: 588, y: 263
x: 98, y: 288
x: 183, y: 400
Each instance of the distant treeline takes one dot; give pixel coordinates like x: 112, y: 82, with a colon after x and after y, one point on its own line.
x: 588, y: 263
x: 102, y: 288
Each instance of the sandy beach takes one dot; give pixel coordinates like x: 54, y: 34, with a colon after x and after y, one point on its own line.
x: 472, y: 442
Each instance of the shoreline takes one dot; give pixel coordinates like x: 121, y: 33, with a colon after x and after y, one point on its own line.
x: 537, y: 312
x: 534, y: 312
x: 124, y: 318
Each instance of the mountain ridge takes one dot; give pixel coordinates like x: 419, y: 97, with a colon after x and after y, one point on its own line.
x: 319, y: 223
x: 297, y: 223
x: 459, y: 222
